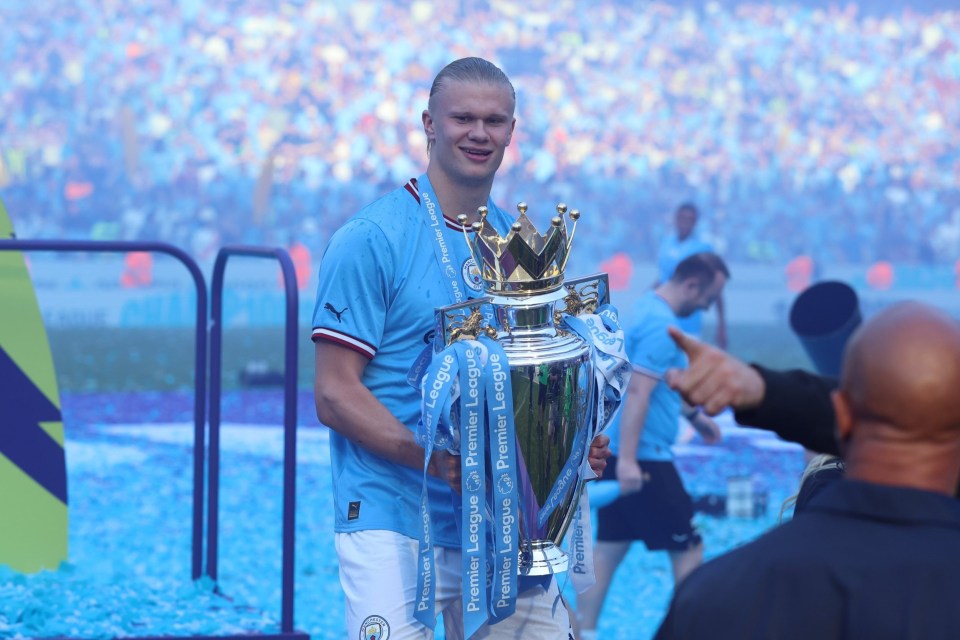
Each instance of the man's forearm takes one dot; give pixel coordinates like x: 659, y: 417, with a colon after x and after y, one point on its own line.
x: 631, y: 428
x: 796, y: 406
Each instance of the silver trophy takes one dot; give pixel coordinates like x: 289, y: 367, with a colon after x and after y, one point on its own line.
x: 551, y: 369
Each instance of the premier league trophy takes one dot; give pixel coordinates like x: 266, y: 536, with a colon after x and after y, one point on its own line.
x: 522, y: 381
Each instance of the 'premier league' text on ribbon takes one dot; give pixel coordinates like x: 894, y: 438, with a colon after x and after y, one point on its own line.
x: 472, y: 467
x: 506, y: 504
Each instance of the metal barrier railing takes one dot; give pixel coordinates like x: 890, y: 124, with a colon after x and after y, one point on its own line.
x: 200, y: 396
x: 200, y: 378
x: 289, y: 416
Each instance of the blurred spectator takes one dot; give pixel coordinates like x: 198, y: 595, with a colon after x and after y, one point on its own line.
x: 681, y: 243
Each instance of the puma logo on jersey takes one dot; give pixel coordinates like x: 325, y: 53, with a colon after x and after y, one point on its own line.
x: 329, y: 307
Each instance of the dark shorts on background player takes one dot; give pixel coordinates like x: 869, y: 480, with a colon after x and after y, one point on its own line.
x: 660, y: 514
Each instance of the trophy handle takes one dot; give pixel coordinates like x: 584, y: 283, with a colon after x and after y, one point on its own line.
x: 602, y: 282
x: 450, y: 318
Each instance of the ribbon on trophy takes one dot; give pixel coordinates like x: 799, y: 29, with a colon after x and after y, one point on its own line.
x: 435, y: 406
x: 473, y: 513
x: 612, y: 370
x: 503, y: 468
x: 473, y: 375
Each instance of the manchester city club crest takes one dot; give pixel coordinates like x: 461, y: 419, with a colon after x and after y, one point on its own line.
x: 374, y: 628
x: 471, y: 275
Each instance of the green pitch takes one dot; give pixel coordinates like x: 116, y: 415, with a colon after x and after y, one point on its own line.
x: 92, y: 359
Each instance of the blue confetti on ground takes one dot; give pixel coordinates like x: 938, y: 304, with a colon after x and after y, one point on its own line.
x: 130, y: 475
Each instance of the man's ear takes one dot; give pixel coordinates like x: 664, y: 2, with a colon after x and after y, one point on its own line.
x: 428, y: 124
x: 513, y: 124
x: 692, y: 287
x: 844, y: 417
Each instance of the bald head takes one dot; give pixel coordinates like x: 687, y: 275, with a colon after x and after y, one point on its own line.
x: 899, y: 400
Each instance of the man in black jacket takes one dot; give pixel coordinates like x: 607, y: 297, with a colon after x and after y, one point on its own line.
x: 794, y: 404
x: 876, y: 554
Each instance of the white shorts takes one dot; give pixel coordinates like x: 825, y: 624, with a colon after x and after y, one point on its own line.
x: 378, y: 574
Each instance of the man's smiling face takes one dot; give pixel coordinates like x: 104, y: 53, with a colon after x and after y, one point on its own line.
x: 469, y: 125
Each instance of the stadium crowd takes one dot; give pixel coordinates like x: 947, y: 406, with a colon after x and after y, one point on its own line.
x: 798, y: 130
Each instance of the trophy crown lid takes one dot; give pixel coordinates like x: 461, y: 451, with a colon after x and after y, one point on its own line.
x: 524, y: 262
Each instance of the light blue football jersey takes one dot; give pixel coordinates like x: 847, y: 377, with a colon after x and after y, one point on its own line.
x: 651, y: 347
x: 380, y: 281
x: 671, y: 253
